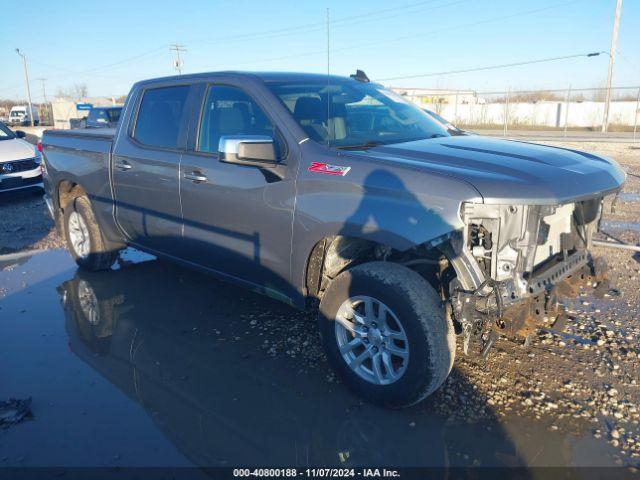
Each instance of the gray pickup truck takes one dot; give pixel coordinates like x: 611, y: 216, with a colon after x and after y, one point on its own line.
x: 334, y: 193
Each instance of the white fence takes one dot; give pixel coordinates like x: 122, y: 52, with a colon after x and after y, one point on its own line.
x: 581, y: 108
x: 547, y: 114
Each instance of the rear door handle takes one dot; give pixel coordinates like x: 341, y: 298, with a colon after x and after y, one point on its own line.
x: 123, y: 166
x: 195, y: 177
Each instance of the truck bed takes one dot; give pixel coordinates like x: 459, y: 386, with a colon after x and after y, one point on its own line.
x: 84, y: 132
x: 82, y: 157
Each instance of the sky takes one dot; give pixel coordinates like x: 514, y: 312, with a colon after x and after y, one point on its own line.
x: 109, y: 45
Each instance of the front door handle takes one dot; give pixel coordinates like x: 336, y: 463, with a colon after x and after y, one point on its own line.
x: 123, y: 166
x: 195, y: 177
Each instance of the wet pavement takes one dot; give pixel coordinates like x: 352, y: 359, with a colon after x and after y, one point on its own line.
x: 150, y: 364
x: 620, y: 226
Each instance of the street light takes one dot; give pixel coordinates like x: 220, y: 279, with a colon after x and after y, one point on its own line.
x: 26, y: 76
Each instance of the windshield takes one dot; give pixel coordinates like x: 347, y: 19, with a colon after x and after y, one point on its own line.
x: 437, y: 117
x: 114, y: 114
x: 357, y: 115
x: 5, y: 133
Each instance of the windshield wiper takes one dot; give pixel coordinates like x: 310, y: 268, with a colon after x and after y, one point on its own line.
x: 362, y: 146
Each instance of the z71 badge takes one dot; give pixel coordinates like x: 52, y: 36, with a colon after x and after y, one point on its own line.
x: 321, y: 167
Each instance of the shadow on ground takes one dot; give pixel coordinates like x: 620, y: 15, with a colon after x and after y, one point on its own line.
x: 233, y: 378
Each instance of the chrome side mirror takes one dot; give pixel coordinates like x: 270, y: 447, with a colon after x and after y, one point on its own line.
x: 256, y: 150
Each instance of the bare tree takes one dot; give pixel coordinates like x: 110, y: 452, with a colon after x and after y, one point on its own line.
x: 600, y: 94
x: 76, y: 92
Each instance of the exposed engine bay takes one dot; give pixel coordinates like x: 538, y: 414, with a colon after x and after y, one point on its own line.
x: 517, y: 262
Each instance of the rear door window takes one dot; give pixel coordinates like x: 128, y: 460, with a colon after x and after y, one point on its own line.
x: 160, y: 116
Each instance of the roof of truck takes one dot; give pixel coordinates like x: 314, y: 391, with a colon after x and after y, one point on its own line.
x: 264, y: 76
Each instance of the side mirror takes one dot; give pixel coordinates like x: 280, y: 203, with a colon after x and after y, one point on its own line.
x: 256, y: 150
x: 20, y: 134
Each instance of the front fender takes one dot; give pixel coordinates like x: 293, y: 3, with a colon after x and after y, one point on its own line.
x: 395, y: 207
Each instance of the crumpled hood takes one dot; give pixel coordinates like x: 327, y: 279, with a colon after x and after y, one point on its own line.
x: 506, y: 171
x: 16, y: 149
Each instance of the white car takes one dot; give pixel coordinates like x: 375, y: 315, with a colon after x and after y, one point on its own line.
x: 20, y: 162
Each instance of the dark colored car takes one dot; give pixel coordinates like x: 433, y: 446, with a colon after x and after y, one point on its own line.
x: 337, y: 192
x: 103, y: 117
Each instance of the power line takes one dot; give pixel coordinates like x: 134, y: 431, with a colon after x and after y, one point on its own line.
x: 462, y: 26
x: 89, y: 72
x: 347, y: 21
x: 490, y: 67
x: 413, y: 36
x: 127, y: 60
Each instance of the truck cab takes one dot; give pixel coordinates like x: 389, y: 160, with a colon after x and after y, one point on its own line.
x: 336, y: 194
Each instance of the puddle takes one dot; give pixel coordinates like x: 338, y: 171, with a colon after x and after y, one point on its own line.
x: 163, y: 366
x: 613, y: 225
x: 629, y: 197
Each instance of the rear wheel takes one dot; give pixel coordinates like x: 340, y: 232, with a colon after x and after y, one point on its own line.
x: 386, y: 333
x: 84, y: 238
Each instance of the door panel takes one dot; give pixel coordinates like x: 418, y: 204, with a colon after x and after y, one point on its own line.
x: 146, y: 169
x: 147, y: 197
x: 237, y: 218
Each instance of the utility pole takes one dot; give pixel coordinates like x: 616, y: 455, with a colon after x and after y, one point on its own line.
x: 44, y: 90
x: 178, y: 61
x: 612, y: 59
x: 26, y: 76
x: 567, y: 103
x: 48, y: 109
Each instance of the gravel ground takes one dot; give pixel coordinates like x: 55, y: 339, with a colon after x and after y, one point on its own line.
x: 25, y: 223
x: 584, y: 380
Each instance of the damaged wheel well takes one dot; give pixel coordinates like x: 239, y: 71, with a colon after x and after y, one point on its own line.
x: 332, y: 255
x: 67, y: 191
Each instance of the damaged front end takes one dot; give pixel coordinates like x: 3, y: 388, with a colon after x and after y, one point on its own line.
x: 514, y: 264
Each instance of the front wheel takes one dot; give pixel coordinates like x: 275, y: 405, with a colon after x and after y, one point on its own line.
x: 386, y: 334
x: 84, y: 238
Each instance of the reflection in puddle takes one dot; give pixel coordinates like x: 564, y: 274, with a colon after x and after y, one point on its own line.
x: 613, y: 225
x: 183, y: 346
x: 188, y: 375
x: 629, y: 196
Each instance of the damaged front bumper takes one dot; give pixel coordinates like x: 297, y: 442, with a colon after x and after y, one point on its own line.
x: 515, y: 264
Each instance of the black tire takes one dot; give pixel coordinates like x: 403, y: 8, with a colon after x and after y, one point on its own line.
x: 99, y: 257
x: 431, y: 337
